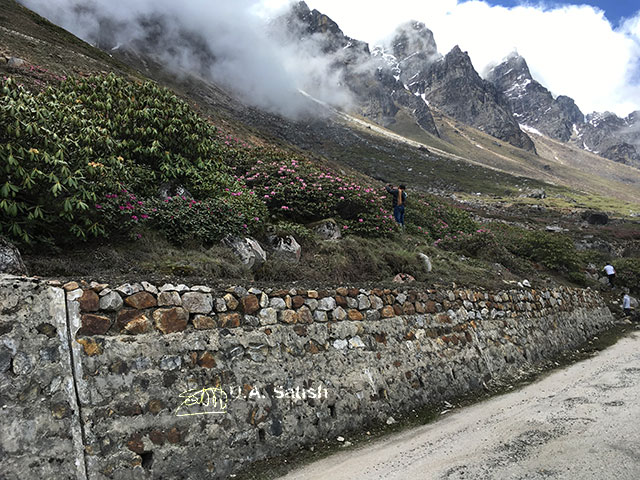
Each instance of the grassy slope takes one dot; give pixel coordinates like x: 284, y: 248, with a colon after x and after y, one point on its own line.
x: 557, y: 163
x: 464, y: 160
x: 26, y: 35
x: 455, y: 161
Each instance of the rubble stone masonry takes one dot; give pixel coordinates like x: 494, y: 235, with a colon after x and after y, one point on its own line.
x: 142, y: 381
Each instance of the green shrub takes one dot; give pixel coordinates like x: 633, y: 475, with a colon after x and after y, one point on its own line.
x: 628, y: 272
x: 63, y: 149
x: 299, y: 232
x: 432, y: 217
x: 480, y: 244
x: 299, y: 191
x: 205, y: 221
x: 554, y: 251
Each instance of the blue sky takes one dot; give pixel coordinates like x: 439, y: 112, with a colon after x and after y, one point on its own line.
x: 615, y: 10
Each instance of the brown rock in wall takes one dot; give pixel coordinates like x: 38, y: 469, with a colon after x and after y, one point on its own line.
x: 203, y: 322
x: 288, y: 316
x: 430, y: 307
x: 408, y: 309
x: 89, y: 301
x: 94, y: 325
x: 140, y: 324
x: 229, y: 320
x: 141, y: 300
x: 171, y: 320
x: 127, y: 316
x: 387, y: 312
x: 341, y: 301
x: 90, y: 346
x: 135, y: 443
x: 207, y: 360
x: 297, y: 301
x: 250, y: 304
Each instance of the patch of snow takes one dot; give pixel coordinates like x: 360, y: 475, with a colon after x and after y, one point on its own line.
x: 584, y: 145
x: 529, y: 129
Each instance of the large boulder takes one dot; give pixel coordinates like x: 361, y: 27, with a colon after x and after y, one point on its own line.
x: 10, y: 259
x: 286, y: 248
x: 15, y: 62
x: 326, y: 229
x: 247, y: 250
x: 427, y: 261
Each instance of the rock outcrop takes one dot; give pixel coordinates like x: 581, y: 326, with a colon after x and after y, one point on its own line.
x: 248, y: 250
x: 454, y: 86
x: 612, y: 137
x: 532, y: 104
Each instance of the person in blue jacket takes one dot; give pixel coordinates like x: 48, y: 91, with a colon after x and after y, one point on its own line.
x: 399, y: 196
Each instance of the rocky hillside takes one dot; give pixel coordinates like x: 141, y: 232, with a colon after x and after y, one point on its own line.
x: 559, y: 118
x: 408, y: 75
x: 376, y: 88
x: 612, y: 137
x: 532, y: 104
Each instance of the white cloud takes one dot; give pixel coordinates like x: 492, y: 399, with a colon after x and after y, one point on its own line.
x: 248, y: 59
x: 572, y: 50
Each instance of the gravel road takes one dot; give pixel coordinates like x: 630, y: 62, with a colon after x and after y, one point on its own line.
x: 581, y: 422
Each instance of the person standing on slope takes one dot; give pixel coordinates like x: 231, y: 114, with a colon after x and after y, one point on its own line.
x: 399, y: 198
x: 626, y: 304
x: 611, y: 273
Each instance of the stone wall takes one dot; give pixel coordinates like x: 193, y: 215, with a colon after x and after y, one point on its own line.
x: 179, y: 382
x: 40, y: 434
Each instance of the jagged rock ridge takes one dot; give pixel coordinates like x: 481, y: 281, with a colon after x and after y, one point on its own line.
x: 378, y: 93
x: 605, y: 134
x: 532, y: 104
x: 454, y: 86
x: 409, y: 74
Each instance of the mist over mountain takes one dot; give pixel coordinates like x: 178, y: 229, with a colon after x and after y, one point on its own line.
x: 268, y: 63
x: 223, y: 41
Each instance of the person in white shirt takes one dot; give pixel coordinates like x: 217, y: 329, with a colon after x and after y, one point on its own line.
x: 626, y: 304
x: 611, y: 273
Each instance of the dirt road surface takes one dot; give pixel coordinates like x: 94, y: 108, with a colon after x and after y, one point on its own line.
x: 581, y: 422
